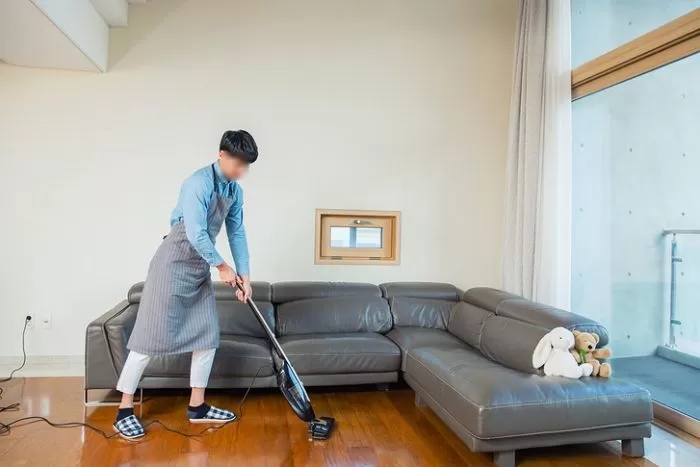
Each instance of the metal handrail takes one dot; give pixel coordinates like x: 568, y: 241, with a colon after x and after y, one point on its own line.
x: 680, y: 232
x: 675, y: 259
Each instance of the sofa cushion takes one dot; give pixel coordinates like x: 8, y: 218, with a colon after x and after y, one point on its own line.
x: 510, y: 342
x: 236, y: 356
x: 492, y: 401
x: 515, y: 307
x: 283, y: 292
x: 409, y: 338
x: 314, y: 354
x: 433, y: 290
x: 237, y: 319
x: 487, y: 298
x: 334, y: 315
x: 421, y: 312
x: 169, y: 365
x: 262, y: 291
x: 467, y: 322
x: 243, y: 356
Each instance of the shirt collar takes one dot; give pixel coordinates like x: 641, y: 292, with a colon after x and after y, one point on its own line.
x: 220, y: 175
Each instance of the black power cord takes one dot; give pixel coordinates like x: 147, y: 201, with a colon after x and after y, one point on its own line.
x: 24, y: 362
x: 6, y: 428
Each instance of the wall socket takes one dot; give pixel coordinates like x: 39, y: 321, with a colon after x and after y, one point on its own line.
x: 45, y: 320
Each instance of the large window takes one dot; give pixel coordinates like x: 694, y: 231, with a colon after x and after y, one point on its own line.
x: 636, y: 190
x: 637, y: 173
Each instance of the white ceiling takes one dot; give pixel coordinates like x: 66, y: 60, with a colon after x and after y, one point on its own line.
x: 113, y: 12
x: 29, y: 38
x: 64, y: 34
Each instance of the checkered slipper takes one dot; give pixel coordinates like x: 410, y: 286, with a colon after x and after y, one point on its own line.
x: 129, y: 427
x: 213, y: 415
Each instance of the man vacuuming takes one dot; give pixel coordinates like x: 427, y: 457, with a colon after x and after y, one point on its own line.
x: 177, y: 313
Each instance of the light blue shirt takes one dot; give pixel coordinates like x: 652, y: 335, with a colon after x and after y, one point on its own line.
x: 192, y: 208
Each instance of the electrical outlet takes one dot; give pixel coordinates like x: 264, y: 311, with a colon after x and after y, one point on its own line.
x: 45, y: 321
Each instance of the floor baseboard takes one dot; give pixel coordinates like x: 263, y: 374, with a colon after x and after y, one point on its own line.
x: 43, y: 365
x: 677, y: 419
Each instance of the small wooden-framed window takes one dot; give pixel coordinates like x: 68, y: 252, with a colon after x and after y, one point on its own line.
x: 357, y: 237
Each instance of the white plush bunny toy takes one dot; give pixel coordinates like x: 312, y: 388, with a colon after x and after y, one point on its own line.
x: 553, y: 352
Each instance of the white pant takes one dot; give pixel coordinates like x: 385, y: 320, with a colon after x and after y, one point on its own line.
x: 130, y: 377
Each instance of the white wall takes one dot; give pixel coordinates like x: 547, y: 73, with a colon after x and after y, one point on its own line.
x: 391, y: 105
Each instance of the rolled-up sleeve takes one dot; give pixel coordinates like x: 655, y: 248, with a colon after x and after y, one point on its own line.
x: 195, y: 198
x: 235, y: 231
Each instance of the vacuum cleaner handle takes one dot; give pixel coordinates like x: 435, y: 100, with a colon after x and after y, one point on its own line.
x: 258, y: 314
x: 256, y: 311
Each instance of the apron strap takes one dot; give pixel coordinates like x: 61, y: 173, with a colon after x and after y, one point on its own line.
x: 213, y: 176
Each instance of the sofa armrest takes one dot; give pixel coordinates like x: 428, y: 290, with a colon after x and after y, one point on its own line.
x: 515, y: 307
x: 118, y: 330
x: 99, y: 366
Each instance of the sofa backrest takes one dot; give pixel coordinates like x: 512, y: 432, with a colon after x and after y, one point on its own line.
x: 235, y: 318
x: 329, y: 307
x: 421, y: 304
x: 506, y: 328
x: 516, y: 307
x: 467, y: 322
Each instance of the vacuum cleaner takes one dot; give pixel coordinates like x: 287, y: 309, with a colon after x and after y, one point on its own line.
x: 291, y: 386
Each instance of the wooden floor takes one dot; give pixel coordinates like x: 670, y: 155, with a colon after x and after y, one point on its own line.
x: 373, y: 429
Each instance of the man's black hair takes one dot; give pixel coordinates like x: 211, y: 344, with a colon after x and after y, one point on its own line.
x: 241, y: 144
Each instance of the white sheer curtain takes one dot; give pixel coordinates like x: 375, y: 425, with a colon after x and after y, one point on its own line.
x: 537, y: 243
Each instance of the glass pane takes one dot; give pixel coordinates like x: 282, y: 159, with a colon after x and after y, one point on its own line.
x: 356, y: 237
x: 686, y: 310
x: 599, y: 26
x: 340, y: 237
x: 636, y: 172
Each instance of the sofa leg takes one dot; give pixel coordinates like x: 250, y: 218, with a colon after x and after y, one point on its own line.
x: 419, y: 401
x: 504, y: 458
x: 633, y: 447
x: 382, y: 386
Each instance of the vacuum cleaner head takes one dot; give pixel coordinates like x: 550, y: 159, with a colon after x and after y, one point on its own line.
x: 321, y: 428
x: 293, y: 390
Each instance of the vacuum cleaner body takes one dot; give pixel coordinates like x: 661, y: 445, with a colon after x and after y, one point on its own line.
x: 291, y: 386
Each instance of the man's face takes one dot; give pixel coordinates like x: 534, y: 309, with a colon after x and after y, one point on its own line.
x: 233, y: 167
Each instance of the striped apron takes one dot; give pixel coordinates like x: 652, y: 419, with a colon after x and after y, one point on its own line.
x: 177, y: 313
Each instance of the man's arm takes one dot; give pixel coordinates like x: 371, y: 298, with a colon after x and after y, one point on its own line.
x: 239, y: 245
x: 195, y: 207
x: 235, y: 231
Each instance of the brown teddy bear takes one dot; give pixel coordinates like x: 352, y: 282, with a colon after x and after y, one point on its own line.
x: 584, y: 351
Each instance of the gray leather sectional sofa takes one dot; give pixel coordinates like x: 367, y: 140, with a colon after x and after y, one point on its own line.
x: 466, y: 355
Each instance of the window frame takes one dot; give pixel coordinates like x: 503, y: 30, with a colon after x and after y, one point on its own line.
x: 666, y: 44
x: 388, y: 254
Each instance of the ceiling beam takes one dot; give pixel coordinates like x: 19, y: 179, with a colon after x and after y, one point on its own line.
x: 29, y: 38
x: 113, y: 12
x: 82, y: 24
